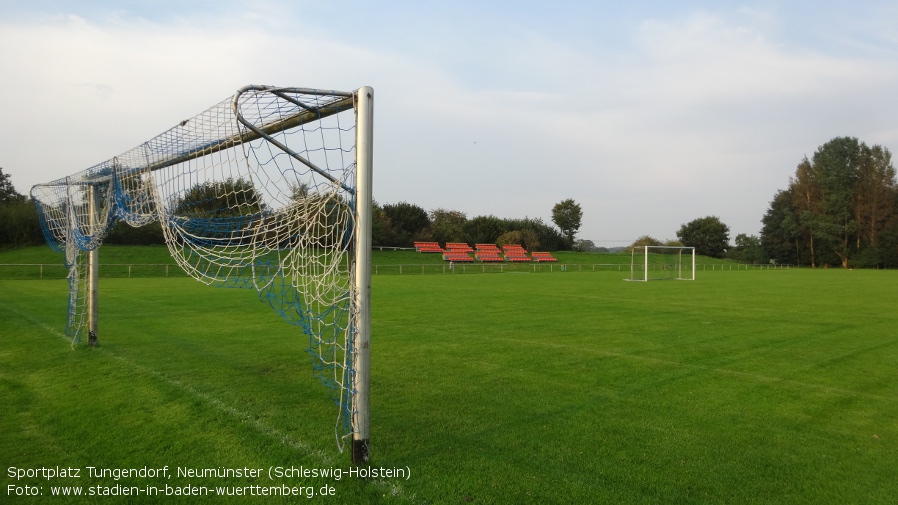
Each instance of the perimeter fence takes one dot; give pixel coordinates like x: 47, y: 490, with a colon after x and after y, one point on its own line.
x: 16, y: 271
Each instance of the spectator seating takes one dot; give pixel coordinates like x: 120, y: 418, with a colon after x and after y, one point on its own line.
x: 457, y: 257
x: 515, y: 253
x: 488, y: 248
x: 458, y: 247
x: 542, y: 257
x: 488, y: 253
x: 456, y: 251
x: 428, y: 247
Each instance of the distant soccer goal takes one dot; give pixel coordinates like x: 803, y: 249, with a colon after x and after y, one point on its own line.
x: 269, y: 189
x: 649, y: 263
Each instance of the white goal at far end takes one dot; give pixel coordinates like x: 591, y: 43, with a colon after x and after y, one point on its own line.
x: 648, y: 263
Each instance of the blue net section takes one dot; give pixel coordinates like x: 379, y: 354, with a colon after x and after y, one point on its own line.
x: 256, y: 192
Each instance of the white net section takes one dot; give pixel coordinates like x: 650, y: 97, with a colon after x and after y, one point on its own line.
x: 258, y: 191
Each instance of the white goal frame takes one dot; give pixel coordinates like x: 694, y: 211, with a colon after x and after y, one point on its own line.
x: 283, y: 193
x: 643, y: 269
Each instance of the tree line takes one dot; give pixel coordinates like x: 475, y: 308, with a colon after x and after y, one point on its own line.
x: 839, y: 209
x: 402, y: 224
x: 711, y: 237
x: 394, y: 225
x: 19, y: 225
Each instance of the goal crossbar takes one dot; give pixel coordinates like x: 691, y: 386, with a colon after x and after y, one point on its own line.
x: 191, y: 152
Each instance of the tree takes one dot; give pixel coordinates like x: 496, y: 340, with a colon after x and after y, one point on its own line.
x: 381, y: 228
x: 124, y: 234
x: 447, y: 225
x: 806, y: 195
x: 525, y: 238
x: 781, y: 231
x: 484, y: 229
x: 584, y: 245
x: 708, y: 235
x: 231, y: 197
x: 8, y: 193
x: 748, y: 249
x: 567, y: 215
x: 548, y: 237
x: 843, y: 201
x: 874, y: 194
x: 836, y: 170
x: 642, y: 242
x: 19, y: 223
x: 407, y: 222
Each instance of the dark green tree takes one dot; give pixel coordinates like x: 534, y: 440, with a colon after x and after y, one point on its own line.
x: 381, y: 229
x: 549, y: 238
x: 484, y: 229
x: 19, y: 224
x: 447, y: 225
x: 122, y: 233
x: 408, y: 223
x: 228, y: 198
x: 806, y: 194
x: 747, y: 249
x: 836, y: 172
x: 874, y: 195
x: 781, y: 235
x: 708, y: 235
x: 843, y: 199
x: 567, y: 215
x: 8, y: 193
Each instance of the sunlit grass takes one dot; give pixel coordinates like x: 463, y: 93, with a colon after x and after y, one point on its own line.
x: 740, y: 387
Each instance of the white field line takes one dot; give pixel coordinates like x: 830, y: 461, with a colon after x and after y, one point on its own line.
x: 391, y: 487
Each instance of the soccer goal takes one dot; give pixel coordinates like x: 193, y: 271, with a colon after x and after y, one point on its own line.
x: 648, y: 263
x: 269, y: 189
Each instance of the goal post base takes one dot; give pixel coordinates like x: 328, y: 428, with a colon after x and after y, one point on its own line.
x: 360, y: 451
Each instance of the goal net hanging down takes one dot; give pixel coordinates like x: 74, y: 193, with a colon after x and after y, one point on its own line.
x: 270, y: 190
x: 648, y: 263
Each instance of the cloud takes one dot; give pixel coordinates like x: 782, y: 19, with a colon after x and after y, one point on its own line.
x: 678, y: 116
x: 90, y: 87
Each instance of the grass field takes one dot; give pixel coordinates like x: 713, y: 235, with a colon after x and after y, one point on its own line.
x: 741, y: 387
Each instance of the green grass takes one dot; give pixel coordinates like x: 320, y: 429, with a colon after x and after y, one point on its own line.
x: 741, y: 387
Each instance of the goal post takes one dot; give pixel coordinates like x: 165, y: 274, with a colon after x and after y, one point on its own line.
x: 269, y: 189
x: 649, y: 263
x: 362, y: 345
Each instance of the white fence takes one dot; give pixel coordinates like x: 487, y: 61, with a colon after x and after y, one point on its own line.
x: 59, y: 271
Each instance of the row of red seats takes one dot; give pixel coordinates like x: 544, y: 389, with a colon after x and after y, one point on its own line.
x: 487, y: 253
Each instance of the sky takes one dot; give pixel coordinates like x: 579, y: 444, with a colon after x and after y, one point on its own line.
x: 648, y: 114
